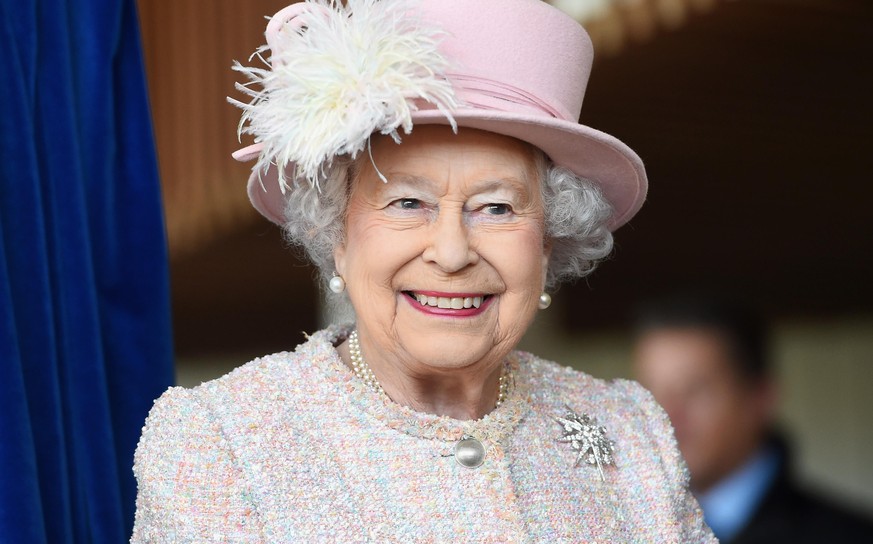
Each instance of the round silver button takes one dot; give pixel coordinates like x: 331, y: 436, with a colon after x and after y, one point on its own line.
x: 469, y: 452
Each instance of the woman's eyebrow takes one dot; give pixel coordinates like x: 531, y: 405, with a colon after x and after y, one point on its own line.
x: 516, y: 186
x: 520, y: 190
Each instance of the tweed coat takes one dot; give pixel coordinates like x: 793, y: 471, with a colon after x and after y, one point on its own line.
x: 293, y: 447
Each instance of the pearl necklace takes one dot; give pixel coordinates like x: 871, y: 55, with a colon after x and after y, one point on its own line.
x: 363, y: 371
x: 361, y: 368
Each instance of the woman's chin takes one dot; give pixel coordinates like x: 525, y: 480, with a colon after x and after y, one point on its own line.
x: 450, y: 353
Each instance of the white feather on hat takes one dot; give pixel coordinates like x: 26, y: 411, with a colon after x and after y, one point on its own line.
x: 339, y: 74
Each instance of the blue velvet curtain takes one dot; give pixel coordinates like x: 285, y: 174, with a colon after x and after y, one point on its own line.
x: 85, y: 341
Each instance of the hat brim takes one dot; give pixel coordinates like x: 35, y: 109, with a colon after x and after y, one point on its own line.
x: 588, y: 153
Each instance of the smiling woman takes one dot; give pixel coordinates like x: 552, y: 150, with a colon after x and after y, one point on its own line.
x: 460, y: 218
x: 420, y: 421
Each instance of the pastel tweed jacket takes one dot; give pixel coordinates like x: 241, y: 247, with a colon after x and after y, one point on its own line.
x: 293, y: 447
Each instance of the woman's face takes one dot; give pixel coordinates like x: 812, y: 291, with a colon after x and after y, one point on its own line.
x: 444, y: 264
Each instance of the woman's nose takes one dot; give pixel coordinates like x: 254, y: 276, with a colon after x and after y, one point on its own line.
x: 449, y: 244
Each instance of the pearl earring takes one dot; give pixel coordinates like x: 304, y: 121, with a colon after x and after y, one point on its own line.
x: 337, y: 284
x: 545, y: 301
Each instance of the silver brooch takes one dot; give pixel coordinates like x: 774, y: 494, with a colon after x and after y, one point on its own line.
x: 588, y: 439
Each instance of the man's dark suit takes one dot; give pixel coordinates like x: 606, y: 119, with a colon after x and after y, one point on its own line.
x: 790, y: 515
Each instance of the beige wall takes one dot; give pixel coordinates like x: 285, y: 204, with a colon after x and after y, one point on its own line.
x: 828, y: 399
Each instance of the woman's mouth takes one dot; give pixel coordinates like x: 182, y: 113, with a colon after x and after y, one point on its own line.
x: 448, y: 303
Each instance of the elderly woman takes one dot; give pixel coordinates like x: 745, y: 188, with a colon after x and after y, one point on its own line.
x: 427, y: 156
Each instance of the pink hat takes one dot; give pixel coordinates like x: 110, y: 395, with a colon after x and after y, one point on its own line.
x: 513, y: 67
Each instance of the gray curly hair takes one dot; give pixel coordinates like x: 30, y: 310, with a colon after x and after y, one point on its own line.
x: 576, y: 218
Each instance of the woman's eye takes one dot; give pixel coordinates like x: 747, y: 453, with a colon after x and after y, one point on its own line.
x: 497, y: 209
x: 407, y: 203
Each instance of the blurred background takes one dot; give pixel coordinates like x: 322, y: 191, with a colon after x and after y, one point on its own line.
x: 755, y: 122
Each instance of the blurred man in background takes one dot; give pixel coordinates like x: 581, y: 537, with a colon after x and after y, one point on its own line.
x: 705, y: 361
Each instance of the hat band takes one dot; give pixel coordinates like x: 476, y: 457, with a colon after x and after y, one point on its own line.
x: 488, y: 94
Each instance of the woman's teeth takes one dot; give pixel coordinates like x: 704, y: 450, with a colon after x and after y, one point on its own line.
x: 455, y: 303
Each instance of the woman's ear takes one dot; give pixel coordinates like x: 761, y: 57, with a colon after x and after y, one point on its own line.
x: 547, y: 255
x: 339, y: 259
